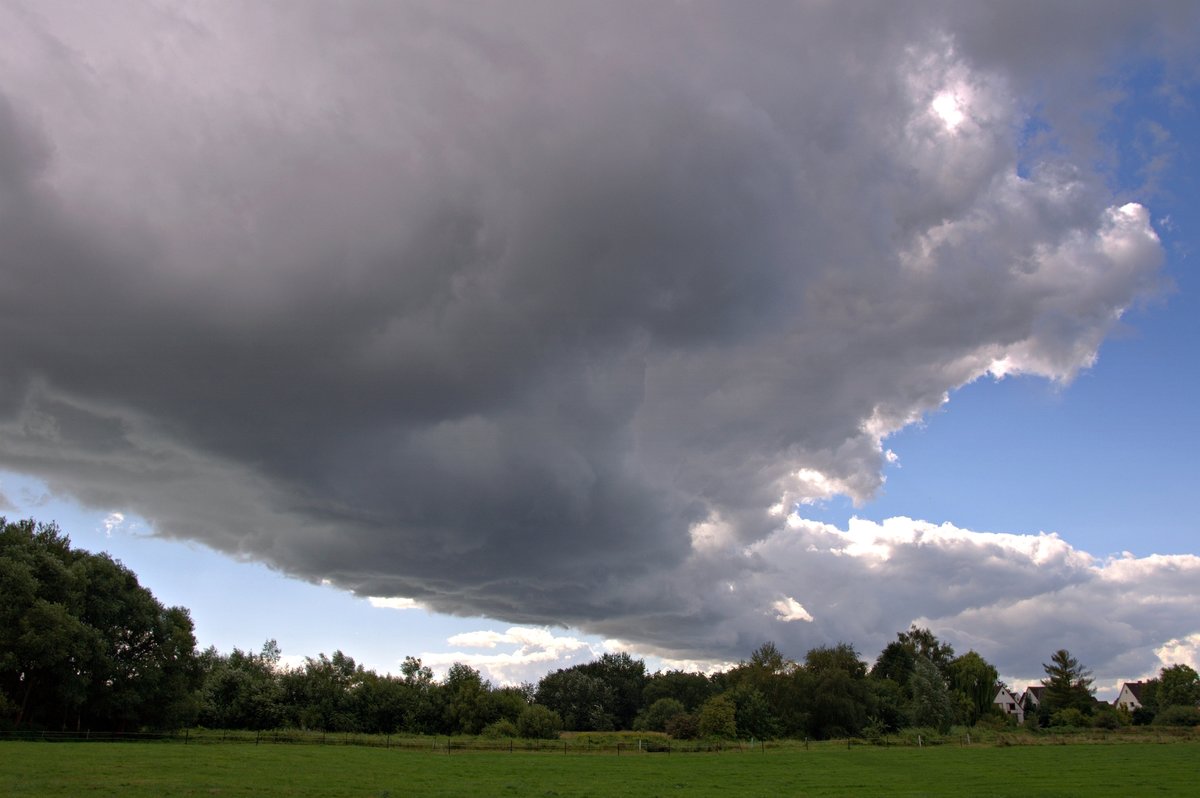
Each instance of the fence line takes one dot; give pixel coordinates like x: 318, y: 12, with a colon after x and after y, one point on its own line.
x: 440, y: 745
x: 449, y: 746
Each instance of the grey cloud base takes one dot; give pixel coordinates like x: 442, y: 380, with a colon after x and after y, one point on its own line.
x: 537, y: 311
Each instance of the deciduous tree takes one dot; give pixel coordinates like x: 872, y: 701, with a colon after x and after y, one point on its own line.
x: 1178, y: 686
x: 718, y: 718
x: 930, y: 704
x: 582, y: 701
x: 836, y: 696
x: 974, y: 680
x: 658, y: 715
x: 82, y: 644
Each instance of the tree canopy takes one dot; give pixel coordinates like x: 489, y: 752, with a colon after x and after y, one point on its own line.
x: 82, y: 644
x: 1068, y: 684
x: 1178, y: 686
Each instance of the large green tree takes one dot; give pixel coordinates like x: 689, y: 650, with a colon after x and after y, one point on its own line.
x: 241, y: 690
x: 583, y: 702
x: 1068, y: 684
x: 82, y: 644
x: 896, y: 663
x: 974, y: 682
x: 423, y: 698
x: 835, y: 697
x: 718, y: 718
x: 320, y: 695
x: 931, y: 704
x: 898, y: 659
x: 626, y: 678
x: 690, y: 689
x: 1178, y: 686
x: 926, y: 644
x: 469, y: 706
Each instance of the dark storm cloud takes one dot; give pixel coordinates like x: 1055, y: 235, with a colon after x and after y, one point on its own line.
x: 506, y: 308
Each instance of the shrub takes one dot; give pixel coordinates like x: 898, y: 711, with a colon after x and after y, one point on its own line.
x: 656, y: 717
x: 1143, y: 716
x: 685, y: 726
x: 920, y: 735
x: 501, y: 728
x: 875, y: 730
x: 1178, y: 716
x: 539, y: 722
x: 996, y: 721
x: 1069, y: 717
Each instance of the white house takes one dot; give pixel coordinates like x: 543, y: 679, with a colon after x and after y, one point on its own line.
x: 1032, y: 699
x: 1009, y: 704
x: 1131, y: 696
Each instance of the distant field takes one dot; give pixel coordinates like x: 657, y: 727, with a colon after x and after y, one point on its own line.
x: 171, y: 769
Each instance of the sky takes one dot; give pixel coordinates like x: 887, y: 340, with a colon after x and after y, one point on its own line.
x: 516, y: 333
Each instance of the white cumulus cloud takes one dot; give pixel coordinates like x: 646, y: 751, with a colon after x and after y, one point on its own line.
x: 533, y: 652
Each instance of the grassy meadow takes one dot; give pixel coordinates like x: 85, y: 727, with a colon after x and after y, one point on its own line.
x: 149, y: 769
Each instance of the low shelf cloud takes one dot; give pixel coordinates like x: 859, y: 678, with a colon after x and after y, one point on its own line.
x: 562, y: 314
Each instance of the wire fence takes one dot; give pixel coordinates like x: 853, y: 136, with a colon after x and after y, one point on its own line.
x: 436, y: 745
x: 584, y: 745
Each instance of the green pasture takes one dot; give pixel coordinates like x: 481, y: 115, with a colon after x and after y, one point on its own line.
x: 173, y: 769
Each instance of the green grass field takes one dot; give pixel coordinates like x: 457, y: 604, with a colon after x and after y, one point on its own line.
x: 171, y: 769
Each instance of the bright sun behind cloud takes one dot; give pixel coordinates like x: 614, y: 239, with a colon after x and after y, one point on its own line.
x: 949, y: 108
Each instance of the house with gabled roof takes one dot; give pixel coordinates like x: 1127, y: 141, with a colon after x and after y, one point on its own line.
x: 1131, y: 696
x: 1008, y: 703
x: 1031, y: 699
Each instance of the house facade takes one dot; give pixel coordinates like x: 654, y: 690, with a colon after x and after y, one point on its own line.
x: 1131, y: 696
x: 1031, y: 700
x: 1009, y: 704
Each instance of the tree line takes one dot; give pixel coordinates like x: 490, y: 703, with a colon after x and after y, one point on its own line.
x: 84, y: 646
